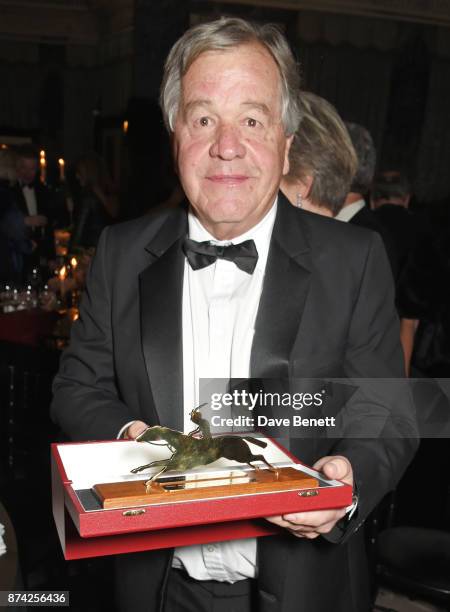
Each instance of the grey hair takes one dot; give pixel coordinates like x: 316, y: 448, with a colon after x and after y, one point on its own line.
x: 222, y: 35
x: 322, y: 149
x: 367, y: 157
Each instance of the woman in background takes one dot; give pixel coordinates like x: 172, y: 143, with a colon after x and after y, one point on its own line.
x: 322, y: 159
x: 97, y: 204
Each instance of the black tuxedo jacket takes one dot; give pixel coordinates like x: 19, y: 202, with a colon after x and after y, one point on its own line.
x: 326, y: 309
x: 45, y: 206
x: 44, y: 200
x: 368, y: 219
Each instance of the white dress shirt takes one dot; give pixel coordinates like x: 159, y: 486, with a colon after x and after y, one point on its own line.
x: 220, y: 303
x: 348, y: 212
x: 30, y: 199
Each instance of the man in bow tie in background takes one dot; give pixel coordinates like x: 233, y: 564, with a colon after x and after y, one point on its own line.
x: 241, y: 285
x: 36, y: 203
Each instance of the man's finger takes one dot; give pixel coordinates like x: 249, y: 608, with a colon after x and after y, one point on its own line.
x: 309, y: 521
x: 314, y: 519
x: 307, y: 529
x: 335, y: 467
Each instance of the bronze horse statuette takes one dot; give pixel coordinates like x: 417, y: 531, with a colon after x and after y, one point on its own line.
x: 189, y: 451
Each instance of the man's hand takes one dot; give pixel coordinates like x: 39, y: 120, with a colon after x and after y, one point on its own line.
x: 134, y: 430
x: 315, y: 523
x: 35, y: 221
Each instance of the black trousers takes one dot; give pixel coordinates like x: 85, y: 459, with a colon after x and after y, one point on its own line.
x: 184, y: 594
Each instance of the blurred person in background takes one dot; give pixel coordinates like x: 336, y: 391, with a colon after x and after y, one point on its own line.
x: 355, y: 209
x: 15, y: 244
x: 391, y: 187
x: 97, y: 204
x: 36, y: 202
x: 322, y: 160
x: 390, y: 197
x: 416, y: 257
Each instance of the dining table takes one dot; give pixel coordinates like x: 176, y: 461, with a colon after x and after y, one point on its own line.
x: 27, y: 327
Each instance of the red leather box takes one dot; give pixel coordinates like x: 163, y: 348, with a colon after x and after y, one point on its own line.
x: 85, y: 529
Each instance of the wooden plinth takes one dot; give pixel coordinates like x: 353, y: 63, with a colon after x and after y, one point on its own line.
x: 133, y: 493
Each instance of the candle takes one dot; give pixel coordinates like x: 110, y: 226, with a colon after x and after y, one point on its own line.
x: 125, y: 126
x: 73, y: 314
x: 62, y: 274
x: 73, y: 266
x: 61, y: 165
x: 43, y: 166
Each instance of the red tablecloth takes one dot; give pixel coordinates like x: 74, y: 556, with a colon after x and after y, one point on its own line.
x: 26, y: 326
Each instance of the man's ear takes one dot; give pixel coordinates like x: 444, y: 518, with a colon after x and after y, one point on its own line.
x: 286, y: 155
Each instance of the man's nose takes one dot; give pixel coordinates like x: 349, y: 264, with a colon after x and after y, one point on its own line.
x: 227, y: 143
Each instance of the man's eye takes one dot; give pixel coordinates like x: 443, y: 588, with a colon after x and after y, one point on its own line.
x: 251, y: 122
x: 204, y: 121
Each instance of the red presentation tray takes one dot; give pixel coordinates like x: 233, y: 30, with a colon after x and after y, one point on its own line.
x: 97, y: 532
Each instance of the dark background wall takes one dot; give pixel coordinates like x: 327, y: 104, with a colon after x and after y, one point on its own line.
x: 72, y: 72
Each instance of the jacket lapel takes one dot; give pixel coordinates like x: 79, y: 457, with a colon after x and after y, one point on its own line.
x: 285, y: 288
x: 161, y: 297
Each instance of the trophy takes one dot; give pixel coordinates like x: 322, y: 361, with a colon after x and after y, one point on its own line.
x: 200, y: 448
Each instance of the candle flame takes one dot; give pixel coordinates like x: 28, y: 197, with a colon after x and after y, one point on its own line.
x: 42, y: 154
x: 125, y: 126
x: 73, y: 262
x: 61, y: 161
x: 62, y: 273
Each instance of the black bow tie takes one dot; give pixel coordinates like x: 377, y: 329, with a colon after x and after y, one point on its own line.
x: 203, y: 254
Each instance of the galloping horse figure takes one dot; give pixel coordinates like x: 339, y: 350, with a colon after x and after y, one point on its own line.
x: 189, y: 452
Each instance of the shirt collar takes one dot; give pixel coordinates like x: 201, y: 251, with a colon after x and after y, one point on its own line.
x: 348, y: 212
x: 261, y: 233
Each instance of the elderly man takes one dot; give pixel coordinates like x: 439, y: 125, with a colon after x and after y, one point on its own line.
x: 169, y: 301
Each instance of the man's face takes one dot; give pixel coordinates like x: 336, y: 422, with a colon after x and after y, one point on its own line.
x: 230, y: 146
x: 26, y: 169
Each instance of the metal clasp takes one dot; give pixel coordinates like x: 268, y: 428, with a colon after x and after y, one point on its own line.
x: 310, y: 493
x: 133, y: 512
